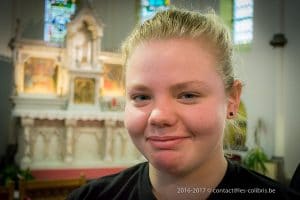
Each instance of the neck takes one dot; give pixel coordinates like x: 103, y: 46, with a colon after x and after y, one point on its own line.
x: 191, y: 185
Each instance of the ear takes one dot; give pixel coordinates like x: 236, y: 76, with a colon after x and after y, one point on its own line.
x: 234, y: 98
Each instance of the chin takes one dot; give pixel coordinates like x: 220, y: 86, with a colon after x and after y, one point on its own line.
x: 167, y: 163
x: 176, y: 166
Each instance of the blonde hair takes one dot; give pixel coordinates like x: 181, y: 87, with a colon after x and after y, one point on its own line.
x: 179, y: 23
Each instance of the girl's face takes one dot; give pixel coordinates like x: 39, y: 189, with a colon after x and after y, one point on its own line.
x: 176, y: 104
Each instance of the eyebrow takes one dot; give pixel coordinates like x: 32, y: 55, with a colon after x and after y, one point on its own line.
x: 176, y: 87
x: 136, y: 87
x: 184, y: 85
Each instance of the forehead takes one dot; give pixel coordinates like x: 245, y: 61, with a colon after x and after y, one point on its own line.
x: 179, y: 51
x: 171, y: 60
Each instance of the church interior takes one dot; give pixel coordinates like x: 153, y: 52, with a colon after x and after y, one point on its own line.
x: 62, y: 93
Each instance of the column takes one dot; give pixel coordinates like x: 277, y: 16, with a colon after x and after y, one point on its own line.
x: 280, y: 98
x: 69, y: 140
x: 27, y: 123
x: 109, y: 126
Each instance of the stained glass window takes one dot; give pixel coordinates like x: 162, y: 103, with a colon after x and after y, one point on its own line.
x: 243, y: 21
x: 150, y: 7
x: 57, y: 15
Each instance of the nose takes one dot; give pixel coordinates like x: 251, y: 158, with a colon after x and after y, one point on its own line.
x: 163, y: 115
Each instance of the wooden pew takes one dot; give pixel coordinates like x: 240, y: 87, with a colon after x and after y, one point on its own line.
x: 7, y: 192
x: 48, y: 189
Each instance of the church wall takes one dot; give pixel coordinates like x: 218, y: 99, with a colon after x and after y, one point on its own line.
x: 5, y: 104
x: 31, y: 13
x: 292, y: 86
x: 119, y: 19
x: 257, y: 68
x: 6, y: 26
x: 5, y: 72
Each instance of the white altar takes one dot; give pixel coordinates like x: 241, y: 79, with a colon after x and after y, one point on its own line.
x: 68, y: 101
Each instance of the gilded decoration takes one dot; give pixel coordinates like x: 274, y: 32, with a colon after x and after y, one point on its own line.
x: 40, y: 75
x: 84, y: 91
x: 112, y: 80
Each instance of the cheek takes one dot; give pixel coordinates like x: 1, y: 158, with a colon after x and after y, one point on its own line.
x: 135, y: 121
x: 207, y: 119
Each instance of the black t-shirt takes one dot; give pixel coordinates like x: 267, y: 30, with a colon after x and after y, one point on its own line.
x: 134, y: 184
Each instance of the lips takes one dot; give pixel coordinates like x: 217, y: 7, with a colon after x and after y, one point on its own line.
x: 166, y: 142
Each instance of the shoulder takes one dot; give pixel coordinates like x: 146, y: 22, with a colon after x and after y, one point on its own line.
x: 250, y: 178
x: 251, y: 183
x: 109, y: 187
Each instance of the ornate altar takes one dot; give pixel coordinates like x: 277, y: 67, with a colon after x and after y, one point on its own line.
x: 68, y: 101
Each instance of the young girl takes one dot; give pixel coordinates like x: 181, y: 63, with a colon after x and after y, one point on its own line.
x: 180, y: 91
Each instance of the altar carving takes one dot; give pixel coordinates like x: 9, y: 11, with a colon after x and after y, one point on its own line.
x: 112, y: 84
x: 58, y: 143
x: 83, y: 40
x: 40, y: 75
x: 70, y: 101
x: 83, y: 45
x: 84, y: 90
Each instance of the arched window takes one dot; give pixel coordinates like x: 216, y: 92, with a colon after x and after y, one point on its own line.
x: 242, y: 21
x: 150, y: 7
x: 57, y: 15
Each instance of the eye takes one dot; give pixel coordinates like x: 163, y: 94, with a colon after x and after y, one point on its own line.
x: 140, y: 99
x: 189, y: 97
